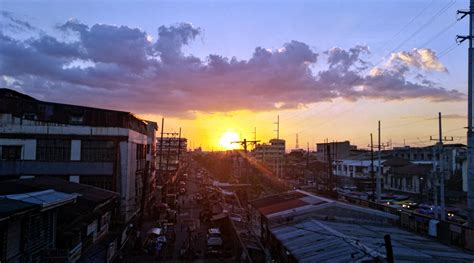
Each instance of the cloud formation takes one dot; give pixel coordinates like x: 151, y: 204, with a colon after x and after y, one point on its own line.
x: 422, y: 58
x: 121, y: 67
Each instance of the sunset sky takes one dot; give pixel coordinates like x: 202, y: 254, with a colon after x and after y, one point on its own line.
x: 330, y: 69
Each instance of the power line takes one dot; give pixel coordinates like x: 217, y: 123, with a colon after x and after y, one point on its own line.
x: 409, y: 23
x: 440, y: 12
x: 439, y: 33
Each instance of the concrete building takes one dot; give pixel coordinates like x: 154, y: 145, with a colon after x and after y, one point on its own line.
x: 169, y: 152
x: 84, y: 228
x: 28, y: 224
x: 338, y: 150
x: 271, y: 154
x: 410, y: 178
x: 356, y: 169
x: 454, y: 163
x: 108, y: 149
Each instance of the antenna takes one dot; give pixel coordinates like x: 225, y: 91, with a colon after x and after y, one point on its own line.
x: 278, y: 126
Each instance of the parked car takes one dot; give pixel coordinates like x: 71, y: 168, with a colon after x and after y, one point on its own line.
x: 214, y: 242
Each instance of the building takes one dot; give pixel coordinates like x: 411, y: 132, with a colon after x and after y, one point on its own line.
x: 298, y: 226
x: 82, y: 226
x: 169, y: 152
x: 271, y: 154
x: 338, y: 150
x: 28, y: 224
x: 454, y: 161
x: 356, y: 169
x: 103, y: 148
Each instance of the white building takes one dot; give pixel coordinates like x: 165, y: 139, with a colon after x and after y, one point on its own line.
x: 357, y: 169
x: 271, y: 154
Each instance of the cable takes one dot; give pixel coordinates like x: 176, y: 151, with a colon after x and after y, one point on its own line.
x: 409, y: 23
x: 439, y: 33
x: 440, y: 12
x: 448, y: 50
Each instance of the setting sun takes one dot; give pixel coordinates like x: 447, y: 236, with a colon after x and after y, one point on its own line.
x: 226, y: 140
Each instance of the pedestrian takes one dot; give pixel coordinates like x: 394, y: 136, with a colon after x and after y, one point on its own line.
x: 184, y: 200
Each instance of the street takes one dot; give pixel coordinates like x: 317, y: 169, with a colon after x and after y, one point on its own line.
x: 190, y: 242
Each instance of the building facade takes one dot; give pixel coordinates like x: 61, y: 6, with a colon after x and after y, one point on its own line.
x: 271, y: 154
x: 103, y: 148
x: 169, y: 152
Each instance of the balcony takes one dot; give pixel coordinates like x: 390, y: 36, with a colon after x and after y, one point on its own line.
x: 31, y: 167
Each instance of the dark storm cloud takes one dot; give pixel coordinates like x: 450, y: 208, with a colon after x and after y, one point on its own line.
x: 121, y: 67
x: 11, y: 22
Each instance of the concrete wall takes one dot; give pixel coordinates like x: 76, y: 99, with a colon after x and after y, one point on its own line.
x: 126, y: 167
x: 28, y: 149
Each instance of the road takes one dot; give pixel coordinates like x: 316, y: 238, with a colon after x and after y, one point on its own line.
x: 190, y: 242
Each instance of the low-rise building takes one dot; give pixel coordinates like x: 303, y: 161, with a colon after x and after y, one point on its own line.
x: 28, y: 224
x: 453, y: 161
x: 298, y: 226
x: 337, y: 150
x: 82, y: 226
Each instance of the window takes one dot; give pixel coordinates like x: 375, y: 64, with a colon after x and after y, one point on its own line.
x: 11, y: 152
x: 141, y: 155
x: 29, y: 116
x: 53, y: 150
x: 97, y: 151
x: 76, y: 119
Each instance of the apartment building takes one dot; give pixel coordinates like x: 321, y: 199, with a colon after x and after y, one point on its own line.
x: 169, y: 151
x: 108, y: 149
x: 271, y: 154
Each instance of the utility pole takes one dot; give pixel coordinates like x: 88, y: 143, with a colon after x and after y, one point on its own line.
x: 440, y: 169
x: 278, y: 154
x: 470, y: 103
x: 161, y: 147
x: 435, y: 184
x: 378, y: 180
x: 255, y: 133
x: 296, y: 145
x: 329, y: 180
x: 307, y: 155
x: 372, y: 172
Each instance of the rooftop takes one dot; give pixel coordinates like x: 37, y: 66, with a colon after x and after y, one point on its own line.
x: 315, y: 229
x: 314, y: 240
x: 46, y: 199
x: 21, y: 105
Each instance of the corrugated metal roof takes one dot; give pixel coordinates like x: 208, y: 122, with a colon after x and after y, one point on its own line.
x: 282, y: 206
x: 311, y: 241
x: 269, y: 200
x: 47, y: 198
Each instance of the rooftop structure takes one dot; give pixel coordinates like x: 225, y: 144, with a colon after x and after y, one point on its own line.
x: 297, y: 226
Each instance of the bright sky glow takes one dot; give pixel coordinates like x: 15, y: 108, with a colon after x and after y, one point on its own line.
x: 214, y: 109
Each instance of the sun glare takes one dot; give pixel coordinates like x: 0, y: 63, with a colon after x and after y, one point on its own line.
x: 226, y: 140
